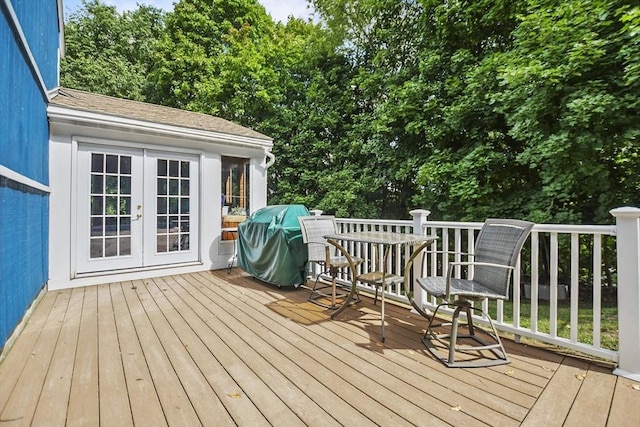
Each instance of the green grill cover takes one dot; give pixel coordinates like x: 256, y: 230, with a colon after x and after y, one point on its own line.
x: 270, y: 246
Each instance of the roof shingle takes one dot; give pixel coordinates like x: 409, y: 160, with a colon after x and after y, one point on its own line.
x: 125, y: 108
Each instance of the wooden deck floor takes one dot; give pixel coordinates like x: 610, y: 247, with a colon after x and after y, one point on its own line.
x: 224, y: 349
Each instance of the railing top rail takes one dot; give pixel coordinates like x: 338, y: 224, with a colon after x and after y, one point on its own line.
x: 540, y: 228
x: 375, y: 221
x: 570, y: 228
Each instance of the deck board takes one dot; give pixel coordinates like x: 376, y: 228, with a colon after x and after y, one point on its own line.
x: 52, y: 404
x: 14, y: 361
x: 21, y: 406
x: 213, y: 348
x: 189, y: 329
x: 114, y: 404
x: 145, y: 405
x: 84, y: 400
x: 175, y: 403
x: 264, y: 352
x: 381, y: 369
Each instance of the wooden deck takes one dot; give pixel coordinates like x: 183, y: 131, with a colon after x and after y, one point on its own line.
x: 224, y: 349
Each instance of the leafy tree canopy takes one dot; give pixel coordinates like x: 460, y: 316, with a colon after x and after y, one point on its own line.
x: 471, y: 109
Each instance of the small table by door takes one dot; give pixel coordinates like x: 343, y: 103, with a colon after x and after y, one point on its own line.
x: 386, y: 240
x: 233, y: 231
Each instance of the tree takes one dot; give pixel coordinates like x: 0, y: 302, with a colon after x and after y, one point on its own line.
x: 213, y: 59
x: 568, y: 95
x: 108, y: 52
x: 471, y: 109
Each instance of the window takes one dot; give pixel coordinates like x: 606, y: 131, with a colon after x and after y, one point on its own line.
x: 235, y: 194
x: 235, y: 186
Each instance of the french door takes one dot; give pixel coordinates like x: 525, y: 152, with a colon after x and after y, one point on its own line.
x: 135, y: 208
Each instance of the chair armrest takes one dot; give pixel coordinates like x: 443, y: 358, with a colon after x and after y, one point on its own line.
x: 487, y: 264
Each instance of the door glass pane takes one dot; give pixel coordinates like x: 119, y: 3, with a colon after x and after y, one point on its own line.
x: 125, y: 165
x: 96, y: 248
x: 173, y: 168
x: 125, y: 246
x: 96, y: 205
x: 110, y: 247
x: 162, y: 167
x: 125, y: 226
x: 111, y: 225
x: 112, y: 163
x: 125, y: 185
x: 96, y: 184
x: 97, y: 162
x: 112, y: 184
x: 162, y: 186
x: 96, y: 227
x: 110, y: 206
x: 125, y: 206
x: 172, y: 217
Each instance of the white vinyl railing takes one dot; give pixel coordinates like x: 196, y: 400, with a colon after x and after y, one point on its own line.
x: 557, y: 290
x: 565, y: 291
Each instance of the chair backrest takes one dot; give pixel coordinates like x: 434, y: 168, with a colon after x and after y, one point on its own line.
x: 500, y: 242
x: 313, y: 229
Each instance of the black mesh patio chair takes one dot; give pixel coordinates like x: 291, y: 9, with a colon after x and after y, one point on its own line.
x: 490, y: 268
x: 314, y: 228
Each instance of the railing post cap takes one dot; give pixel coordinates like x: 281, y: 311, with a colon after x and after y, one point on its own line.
x: 316, y: 212
x: 422, y: 212
x: 625, y: 212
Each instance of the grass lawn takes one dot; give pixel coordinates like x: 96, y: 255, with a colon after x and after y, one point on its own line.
x: 608, y: 320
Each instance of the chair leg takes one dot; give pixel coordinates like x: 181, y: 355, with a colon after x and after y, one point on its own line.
x: 450, y: 340
x: 469, y: 320
x: 453, y: 336
x: 333, y: 292
x: 375, y: 298
x: 320, y: 290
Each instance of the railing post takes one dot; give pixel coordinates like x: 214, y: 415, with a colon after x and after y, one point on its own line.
x: 315, y: 212
x: 628, y: 248
x: 420, y: 218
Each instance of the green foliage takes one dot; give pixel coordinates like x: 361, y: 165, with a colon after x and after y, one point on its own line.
x: 490, y: 108
x: 566, y: 96
x: 108, y: 52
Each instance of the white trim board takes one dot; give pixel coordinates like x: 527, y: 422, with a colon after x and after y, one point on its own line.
x: 21, y: 179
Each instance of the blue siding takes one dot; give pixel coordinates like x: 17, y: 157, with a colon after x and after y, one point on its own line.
x: 24, y: 148
x: 24, y: 130
x: 39, y: 21
x: 23, y: 251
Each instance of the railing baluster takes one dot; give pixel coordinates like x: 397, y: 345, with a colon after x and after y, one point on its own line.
x: 535, y: 249
x: 575, y: 289
x: 597, y: 289
x: 553, y: 287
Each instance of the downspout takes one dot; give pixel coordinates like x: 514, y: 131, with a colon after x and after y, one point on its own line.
x: 272, y: 158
